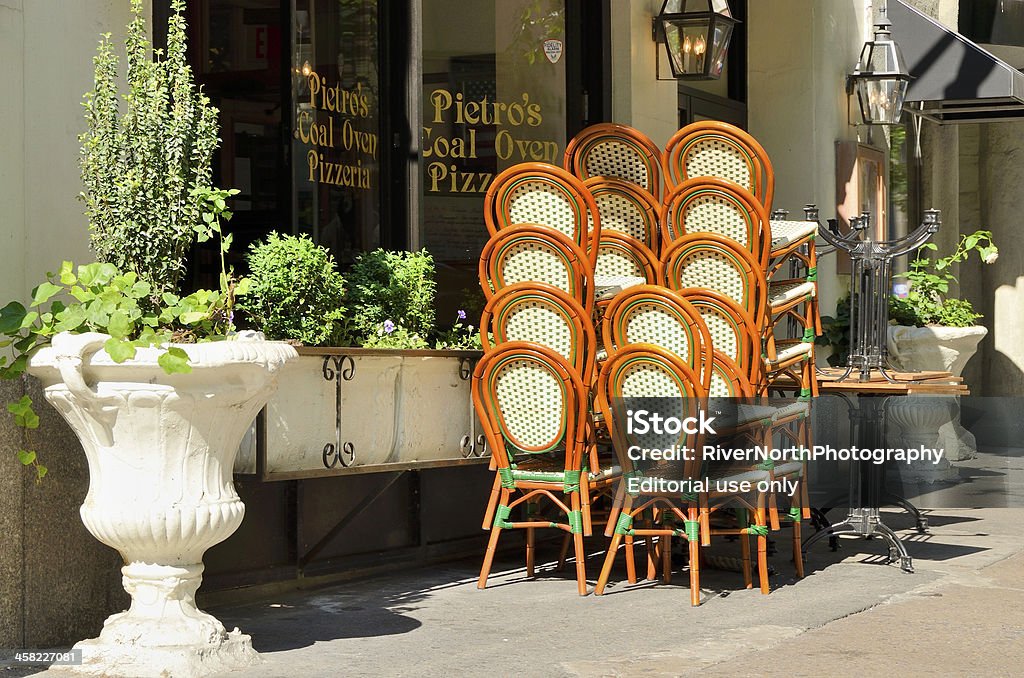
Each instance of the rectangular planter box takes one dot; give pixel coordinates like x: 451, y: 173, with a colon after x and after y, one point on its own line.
x: 340, y: 411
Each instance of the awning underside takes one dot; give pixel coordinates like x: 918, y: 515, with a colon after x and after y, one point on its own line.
x: 953, y: 80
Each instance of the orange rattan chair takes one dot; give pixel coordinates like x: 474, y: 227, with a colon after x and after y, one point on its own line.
x: 708, y: 261
x: 718, y: 149
x: 534, y: 253
x: 612, y: 150
x: 626, y: 208
x: 710, y: 205
x: 533, y: 408
x: 638, y: 374
x: 539, y: 193
x: 650, y: 314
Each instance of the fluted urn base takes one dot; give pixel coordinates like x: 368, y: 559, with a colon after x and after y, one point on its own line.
x: 163, y: 633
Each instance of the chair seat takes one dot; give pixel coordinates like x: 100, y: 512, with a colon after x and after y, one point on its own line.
x: 788, y: 352
x: 787, y: 291
x: 792, y: 409
x: 545, y: 470
x: 785, y: 233
x: 607, y: 286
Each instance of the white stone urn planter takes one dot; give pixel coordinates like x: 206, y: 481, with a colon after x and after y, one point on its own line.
x: 934, y: 348
x: 160, y: 450
x: 946, y: 349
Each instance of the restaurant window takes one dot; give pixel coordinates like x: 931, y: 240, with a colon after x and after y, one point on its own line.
x: 337, y: 159
x: 493, y: 95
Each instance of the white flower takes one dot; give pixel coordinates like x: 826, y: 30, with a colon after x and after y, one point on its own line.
x: 991, y: 257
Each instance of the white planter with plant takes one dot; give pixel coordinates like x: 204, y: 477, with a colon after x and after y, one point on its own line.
x: 156, y: 384
x: 375, y: 382
x: 161, y: 451
x: 936, y: 332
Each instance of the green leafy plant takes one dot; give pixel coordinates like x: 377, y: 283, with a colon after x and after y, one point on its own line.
x: 98, y: 297
x: 296, y: 292
x: 145, y: 170
x: 391, y: 287
x: 927, y: 302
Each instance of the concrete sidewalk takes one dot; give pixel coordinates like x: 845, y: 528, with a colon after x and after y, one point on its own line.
x: 961, y: 612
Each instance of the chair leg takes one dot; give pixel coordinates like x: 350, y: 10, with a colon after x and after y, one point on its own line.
x: 530, y: 550
x: 613, y: 514
x: 564, y: 553
x: 665, y: 544
x: 630, y: 560
x: 694, y: 572
x: 609, y: 560
x: 773, y: 512
x: 581, y: 554
x: 762, y: 548
x: 745, y: 550
x: 798, y: 555
x: 492, y: 503
x: 492, y: 545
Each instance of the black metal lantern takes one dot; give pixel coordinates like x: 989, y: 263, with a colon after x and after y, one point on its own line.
x: 881, y: 79
x: 696, y: 36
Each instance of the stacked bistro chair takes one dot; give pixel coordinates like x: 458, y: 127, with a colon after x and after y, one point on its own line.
x: 634, y: 374
x: 716, y: 206
x: 612, y: 150
x: 543, y: 314
x: 535, y: 253
x: 656, y: 316
x: 717, y: 149
x: 533, y: 404
x: 627, y: 208
x: 546, y: 195
x: 712, y: 261
x: 734, y: 336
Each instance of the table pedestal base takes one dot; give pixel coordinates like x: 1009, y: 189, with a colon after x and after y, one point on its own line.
x: 866, y: 522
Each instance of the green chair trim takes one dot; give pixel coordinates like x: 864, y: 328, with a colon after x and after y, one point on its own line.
x: 507, y: 478
x: 501, y: 517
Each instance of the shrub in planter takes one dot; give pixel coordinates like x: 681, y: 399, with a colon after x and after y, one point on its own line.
x: 391, y: 298
x: 296, y: 292
x: 928, y: 302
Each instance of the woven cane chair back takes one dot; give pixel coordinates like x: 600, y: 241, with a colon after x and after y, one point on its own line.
x: 649, y: 314
x: 710, y: 205
x: 538, y: 193
x: 713, y: 262
x: 627, y: 208
x: 619, y: 255
x: 728, y: 379
x: 647, y: 377
x: 718, y: 149
x: 532, y: 253
x: 529, y: 400
x: 733, y: 331
x: 611, y: 150
x: 542, y: 314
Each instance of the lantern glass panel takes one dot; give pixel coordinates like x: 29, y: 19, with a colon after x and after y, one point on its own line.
x: 881, y: 99
x: 720, y: 47
x: 687, y: 43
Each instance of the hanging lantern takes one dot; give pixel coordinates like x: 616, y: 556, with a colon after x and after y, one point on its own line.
x: 696, y: 35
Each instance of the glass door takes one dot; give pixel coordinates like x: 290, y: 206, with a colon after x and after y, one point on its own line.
x: 493, y: 95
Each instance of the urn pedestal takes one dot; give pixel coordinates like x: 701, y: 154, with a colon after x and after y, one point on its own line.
x: 160, y: 450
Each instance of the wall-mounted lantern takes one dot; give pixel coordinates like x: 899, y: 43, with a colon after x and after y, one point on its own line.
x: 881, y: 78
x: 696, y: 36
